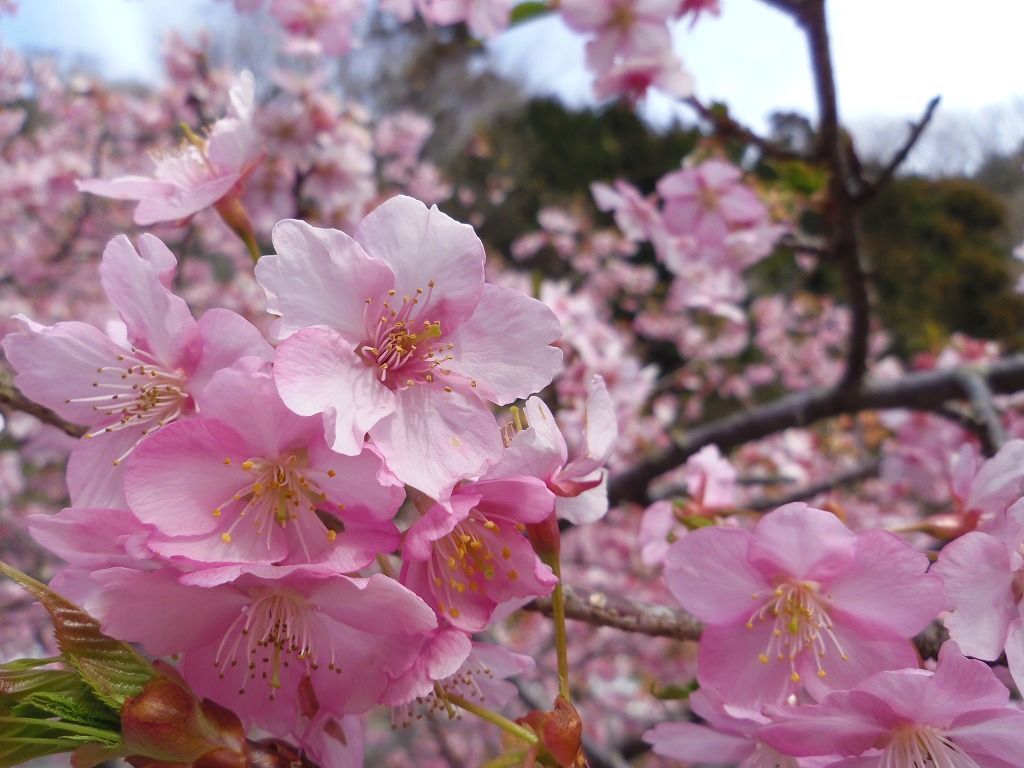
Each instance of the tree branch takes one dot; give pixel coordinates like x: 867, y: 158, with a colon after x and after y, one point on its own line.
x: 920, y: 391
x: 601, y: 610
x: 975, y: 387
x: 858, y: 473
x: 885, y: 176
x: 729, y: 128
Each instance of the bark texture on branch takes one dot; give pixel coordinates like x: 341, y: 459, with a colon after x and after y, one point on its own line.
x: 919, y: 391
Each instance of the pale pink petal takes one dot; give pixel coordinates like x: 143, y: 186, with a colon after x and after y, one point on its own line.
x: 729, y: 661
x: 152, y: 608
x: 993, y: 738
x: 978, y: 579
x: 886, y: 566
x: 317, y: 371
x: 803, y: 542
x: 89, y: 538
x: 360, y: 603
x: 962, y: 685
x: 690, y: 742
x: 59, y: 363
x: 125, y: 187
x: 360, y: 482
x: 850, y: 723
x: 435, y: 438
x: 157, y: 320
x: 226, y: 338
x: 181, y: 203
x: 244, y: 397
x: 587, y: 507
x: 442, y: 654
x: 708, y: 573
x: 94, y: 479
x: 1015, y: 651
x: 176, y: 479
x: 522, y: 499
x: 320, y: 277
x: 537, y: 451
x: 864, y: 658
x: 505, y: 345
x: 429, y: 251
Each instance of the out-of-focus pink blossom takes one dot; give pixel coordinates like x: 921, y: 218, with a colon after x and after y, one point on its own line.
x: 201, y: 173
x: 330, y: 23
x: 485, y: 18
x: 800, y: 602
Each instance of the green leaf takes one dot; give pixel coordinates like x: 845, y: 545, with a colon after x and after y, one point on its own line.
x: 79, y: 706
x: 16, y: 685
x: 114, y: 670
x: 528, y: 10
x: 23, y: 739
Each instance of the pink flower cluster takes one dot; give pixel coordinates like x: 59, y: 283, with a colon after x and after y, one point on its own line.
x: 805, y: 659
x: 238, y: 505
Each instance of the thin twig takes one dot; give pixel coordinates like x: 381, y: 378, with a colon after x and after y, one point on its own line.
x: 858, y: 473
x: 727, y: 127
x: 885, y: 176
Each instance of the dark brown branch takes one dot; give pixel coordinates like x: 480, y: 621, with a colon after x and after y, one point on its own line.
x: 975, y: 387
x: 919, y: 391
x: 885, y: 176
x: 603, y: 610
x: 14, y: 400
x: 861, y: 472
x: 841, y: 215
x: 725, y: 126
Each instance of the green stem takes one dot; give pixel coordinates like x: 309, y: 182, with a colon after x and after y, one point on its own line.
x: 558, y: 616
x: 60, y: 725
x: 494, y: 718
x: 511, y: 760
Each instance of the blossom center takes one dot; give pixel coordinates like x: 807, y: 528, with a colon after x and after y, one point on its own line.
x: 137, y: 392
x: 470, y: 557
x: 800, y: 624
x: 923, y: 746
x: 279, y: 491
x: 275, y: 628
x: 401, y: 344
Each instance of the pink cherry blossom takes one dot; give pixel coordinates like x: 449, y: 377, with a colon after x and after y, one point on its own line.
x: 469, y: 556
x: 537, y: 448
x: 800, y: 602
x: 485, y: 18
x: 126, y: 388
x: 958, y: 715
x: 249, y: 637
x: 708, y: 201
x: 201, y: 173
x: 729, y: 735
x: 637, y: 216
x: 394, y: 333
x: 247, y: 481
x: 331, y: 23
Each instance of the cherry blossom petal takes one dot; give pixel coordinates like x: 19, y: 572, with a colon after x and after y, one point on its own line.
x: 803, y: 542
x: 708, y: 573
x: 320, y: 277
x: 317, y: 371
x: 505, y: 345
x: 426, y: 248
x: 435, y: 438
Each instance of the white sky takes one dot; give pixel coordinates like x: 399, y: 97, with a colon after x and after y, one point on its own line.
x: 891, y: 56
